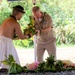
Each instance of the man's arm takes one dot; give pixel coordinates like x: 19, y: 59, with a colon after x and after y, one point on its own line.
x: 0, y: 29
x: 19, y: 32
x: 47, y: 29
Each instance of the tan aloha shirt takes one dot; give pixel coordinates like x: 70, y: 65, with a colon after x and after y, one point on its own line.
x: 45, y: 22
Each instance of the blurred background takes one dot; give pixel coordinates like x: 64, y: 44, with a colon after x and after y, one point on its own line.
x: 61, y: 11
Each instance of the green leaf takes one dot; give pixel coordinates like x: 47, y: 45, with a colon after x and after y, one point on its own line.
x: 8, y: 60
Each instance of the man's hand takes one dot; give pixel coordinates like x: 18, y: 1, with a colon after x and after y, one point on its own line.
x: 26, y: 36
x: 38, y: 32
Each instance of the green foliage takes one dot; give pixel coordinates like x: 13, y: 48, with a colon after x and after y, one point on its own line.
x: 42, y: 67
x: 30, y: 30
x: 66, y: 34
x: 59, y: 65
x: 23, y: 43
x: 50, y: 61
x: 8, y: 60
x: 13, y: 66
x: 50, y: 65
x: 61, y: 11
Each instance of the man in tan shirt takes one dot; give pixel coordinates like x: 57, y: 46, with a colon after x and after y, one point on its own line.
x: 45, y: 36
x: 8, y: 28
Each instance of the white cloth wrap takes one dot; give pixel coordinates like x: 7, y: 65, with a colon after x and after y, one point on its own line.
x: 6, y: 48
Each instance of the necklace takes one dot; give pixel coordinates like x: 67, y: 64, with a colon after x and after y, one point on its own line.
x: 13, y: 16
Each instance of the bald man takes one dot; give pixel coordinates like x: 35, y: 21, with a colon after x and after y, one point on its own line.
x: 8, y: 28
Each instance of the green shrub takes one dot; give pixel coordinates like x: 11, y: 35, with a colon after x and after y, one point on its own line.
x: 63, y: 16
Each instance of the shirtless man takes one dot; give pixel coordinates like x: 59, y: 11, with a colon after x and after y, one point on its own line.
x: 11, y: 26
x: 8, y: 28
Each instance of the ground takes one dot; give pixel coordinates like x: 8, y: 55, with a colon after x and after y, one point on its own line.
x: 28, y: 56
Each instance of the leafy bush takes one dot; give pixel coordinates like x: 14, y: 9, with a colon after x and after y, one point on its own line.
x: 66, y: 34
x: 50, y: 65
x: 63, y: 16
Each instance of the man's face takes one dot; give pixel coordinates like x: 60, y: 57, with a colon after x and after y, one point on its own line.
x: 37, y: 14
x: 19, y: 15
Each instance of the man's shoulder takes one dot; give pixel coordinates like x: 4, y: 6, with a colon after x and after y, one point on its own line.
x: 46, y: 14
x: 11, y: 22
